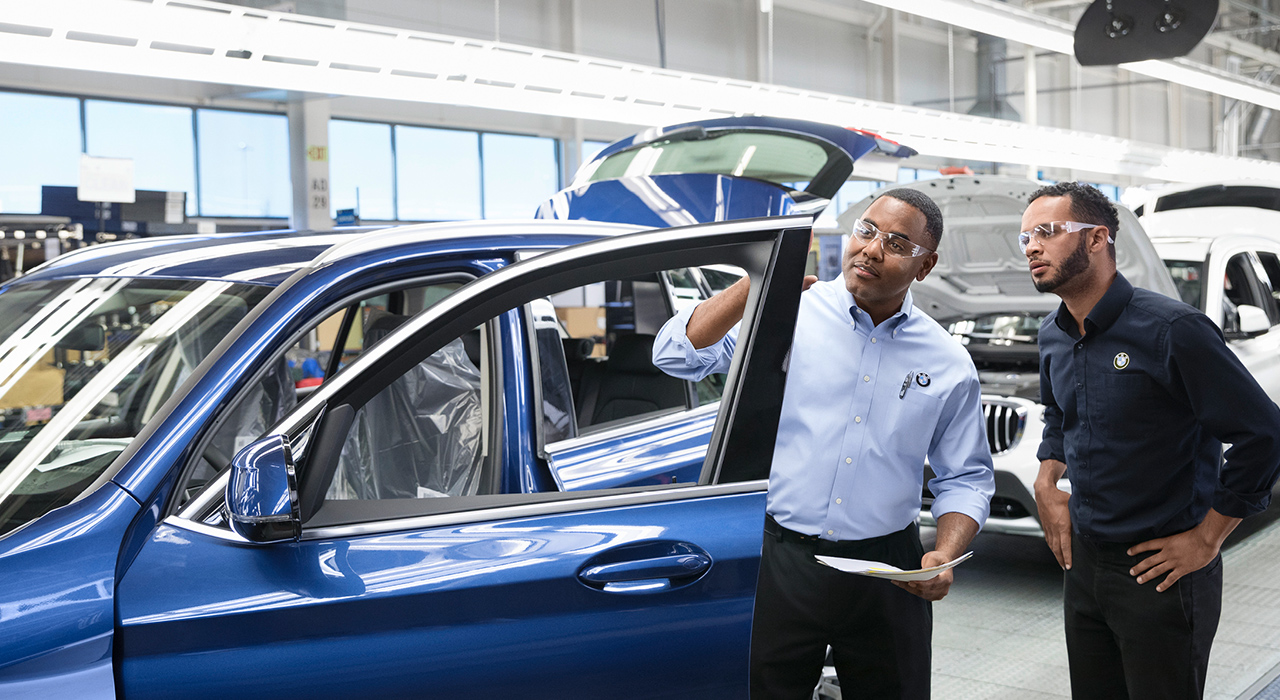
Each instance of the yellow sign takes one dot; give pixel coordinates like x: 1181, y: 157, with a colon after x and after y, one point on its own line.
x: 318, y: 153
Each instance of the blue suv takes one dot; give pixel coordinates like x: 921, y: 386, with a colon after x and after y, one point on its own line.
x: 424, y: 461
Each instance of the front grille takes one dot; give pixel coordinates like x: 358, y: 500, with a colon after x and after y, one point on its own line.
x: 1006, y: 421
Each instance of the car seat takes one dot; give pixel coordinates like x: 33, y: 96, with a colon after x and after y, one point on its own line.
x: 628, y: 384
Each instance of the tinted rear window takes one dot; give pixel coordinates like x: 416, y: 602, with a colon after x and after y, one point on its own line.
x: 1222, y: 196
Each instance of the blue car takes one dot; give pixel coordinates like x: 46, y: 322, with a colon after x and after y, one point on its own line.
x: 425, y: 461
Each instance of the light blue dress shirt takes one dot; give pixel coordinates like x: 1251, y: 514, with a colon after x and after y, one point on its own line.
x: 863, y: 407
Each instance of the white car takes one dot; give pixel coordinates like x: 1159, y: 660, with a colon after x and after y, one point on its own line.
x: 982, y: 292
x: 1228, y: 266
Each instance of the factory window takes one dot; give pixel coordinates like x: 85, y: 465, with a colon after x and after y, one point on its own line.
x: 361, y: 169
x: 437, y: 174
x: 39, y: 145
x: 158, y: 138
x: 591, y: 148
x: 519, y: 173
x: 244, y: 164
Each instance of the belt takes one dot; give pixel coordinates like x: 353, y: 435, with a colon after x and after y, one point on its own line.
x: 782, y: 534
x: 910, y: 534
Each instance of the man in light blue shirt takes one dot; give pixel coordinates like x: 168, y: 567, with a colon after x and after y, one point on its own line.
x: 874, y: 386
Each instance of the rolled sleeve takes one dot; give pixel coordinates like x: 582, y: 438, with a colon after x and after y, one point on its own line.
x: 674, y: 354
x: 1244, y: 417
x: 964, y: 478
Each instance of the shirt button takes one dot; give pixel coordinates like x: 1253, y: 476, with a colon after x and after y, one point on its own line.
x: 1079, y: 346
x: 1079, y: 385
x: 848, y: 460
x: 838, y: 501
x: 857, y: 419
x: 866, y: 377
x: 831, y: 532
x: 873, y: 340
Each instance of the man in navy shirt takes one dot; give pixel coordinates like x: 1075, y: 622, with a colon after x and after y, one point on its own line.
x: 1140, y: 393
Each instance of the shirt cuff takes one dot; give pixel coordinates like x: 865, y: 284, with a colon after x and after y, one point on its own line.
x: 965, y: 501
x: 693, y: 357
x: 1234, y: 505
x: 1051, y: 450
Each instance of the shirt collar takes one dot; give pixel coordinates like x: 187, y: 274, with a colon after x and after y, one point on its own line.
x: 1104, y: 313
x: 903, y: 314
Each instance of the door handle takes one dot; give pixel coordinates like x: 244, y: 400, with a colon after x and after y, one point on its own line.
x: 672, y: 566
x: 645, y: 567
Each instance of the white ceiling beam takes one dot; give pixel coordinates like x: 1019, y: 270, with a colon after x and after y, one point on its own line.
x: 195, y: 40
x: 864, y: 19
x: 1016, y: 24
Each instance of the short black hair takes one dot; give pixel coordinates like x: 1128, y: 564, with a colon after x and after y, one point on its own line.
x: 923, y: 204
x: 1088, y: 204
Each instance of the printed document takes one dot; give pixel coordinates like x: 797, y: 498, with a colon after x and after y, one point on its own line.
x: 882, y: 570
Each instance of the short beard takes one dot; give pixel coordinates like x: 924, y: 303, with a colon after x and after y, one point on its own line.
x: 1075, y: 264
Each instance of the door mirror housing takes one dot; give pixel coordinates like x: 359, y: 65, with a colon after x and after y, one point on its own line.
x: 1253, y: 320
x: 262, y: 493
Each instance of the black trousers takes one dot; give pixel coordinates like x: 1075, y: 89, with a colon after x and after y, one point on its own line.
x: 1125, y: 640
x: 879, y: 634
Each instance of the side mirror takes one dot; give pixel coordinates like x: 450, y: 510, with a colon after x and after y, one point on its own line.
x: 1253, y: 320
x: 262, y: 493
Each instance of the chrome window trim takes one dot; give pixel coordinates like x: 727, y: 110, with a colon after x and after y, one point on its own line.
x: 620, y: 430
x: 585, y: 503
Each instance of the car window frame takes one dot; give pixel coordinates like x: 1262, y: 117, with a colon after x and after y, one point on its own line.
x: 764, y: 245
x: 347, y: 303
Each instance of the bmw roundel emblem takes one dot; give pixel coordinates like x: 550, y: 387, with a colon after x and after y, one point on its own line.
x: 1121, y: 361
x: 922, y: 379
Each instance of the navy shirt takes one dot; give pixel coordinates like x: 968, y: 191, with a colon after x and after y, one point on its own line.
x: 1138, y: 409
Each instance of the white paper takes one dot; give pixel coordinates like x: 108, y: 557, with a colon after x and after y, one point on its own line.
x: 886, y: 571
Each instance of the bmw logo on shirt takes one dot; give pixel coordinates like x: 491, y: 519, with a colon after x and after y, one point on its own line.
x: 1121, y: 361
x: 922, y: 379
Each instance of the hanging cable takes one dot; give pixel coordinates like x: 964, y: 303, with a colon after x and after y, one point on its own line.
x: 660, y: 12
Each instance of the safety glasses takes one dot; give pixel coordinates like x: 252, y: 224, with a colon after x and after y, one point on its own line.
x: 895, y: 244
x: 1049, y: 230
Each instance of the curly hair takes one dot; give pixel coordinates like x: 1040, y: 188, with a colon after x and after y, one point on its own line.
x: 1088, y: 205
x: 923, y: 204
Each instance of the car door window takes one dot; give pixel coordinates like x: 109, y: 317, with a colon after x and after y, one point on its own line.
x: 1267, y: 269
x: 1241, y: 287
x: 594, y: 346
x: 316, y: 356
x: 424, y: 435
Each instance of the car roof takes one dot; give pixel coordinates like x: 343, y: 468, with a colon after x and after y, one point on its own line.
x: 1209, y: 222
x: 270, y: 257
x: 1199, y: 247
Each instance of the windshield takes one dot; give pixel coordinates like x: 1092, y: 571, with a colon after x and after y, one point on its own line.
x: 84, y: 364
x: 1259, y: 196
x: 775, y: 158
x: 1004, y: 349
x: 1188, y: 277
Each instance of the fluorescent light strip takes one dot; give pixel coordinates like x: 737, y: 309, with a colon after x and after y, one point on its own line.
x: 272, y: 50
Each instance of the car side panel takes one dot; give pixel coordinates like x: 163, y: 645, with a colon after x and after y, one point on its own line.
x: 57, y: 579
x: 492, y: 609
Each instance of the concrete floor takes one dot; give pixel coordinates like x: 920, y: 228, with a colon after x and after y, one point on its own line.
x: 999, y: 636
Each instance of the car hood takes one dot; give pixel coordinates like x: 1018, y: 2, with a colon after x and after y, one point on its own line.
x: 980, y: 270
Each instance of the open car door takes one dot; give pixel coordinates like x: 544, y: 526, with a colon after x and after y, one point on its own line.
x: 404, y: 565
